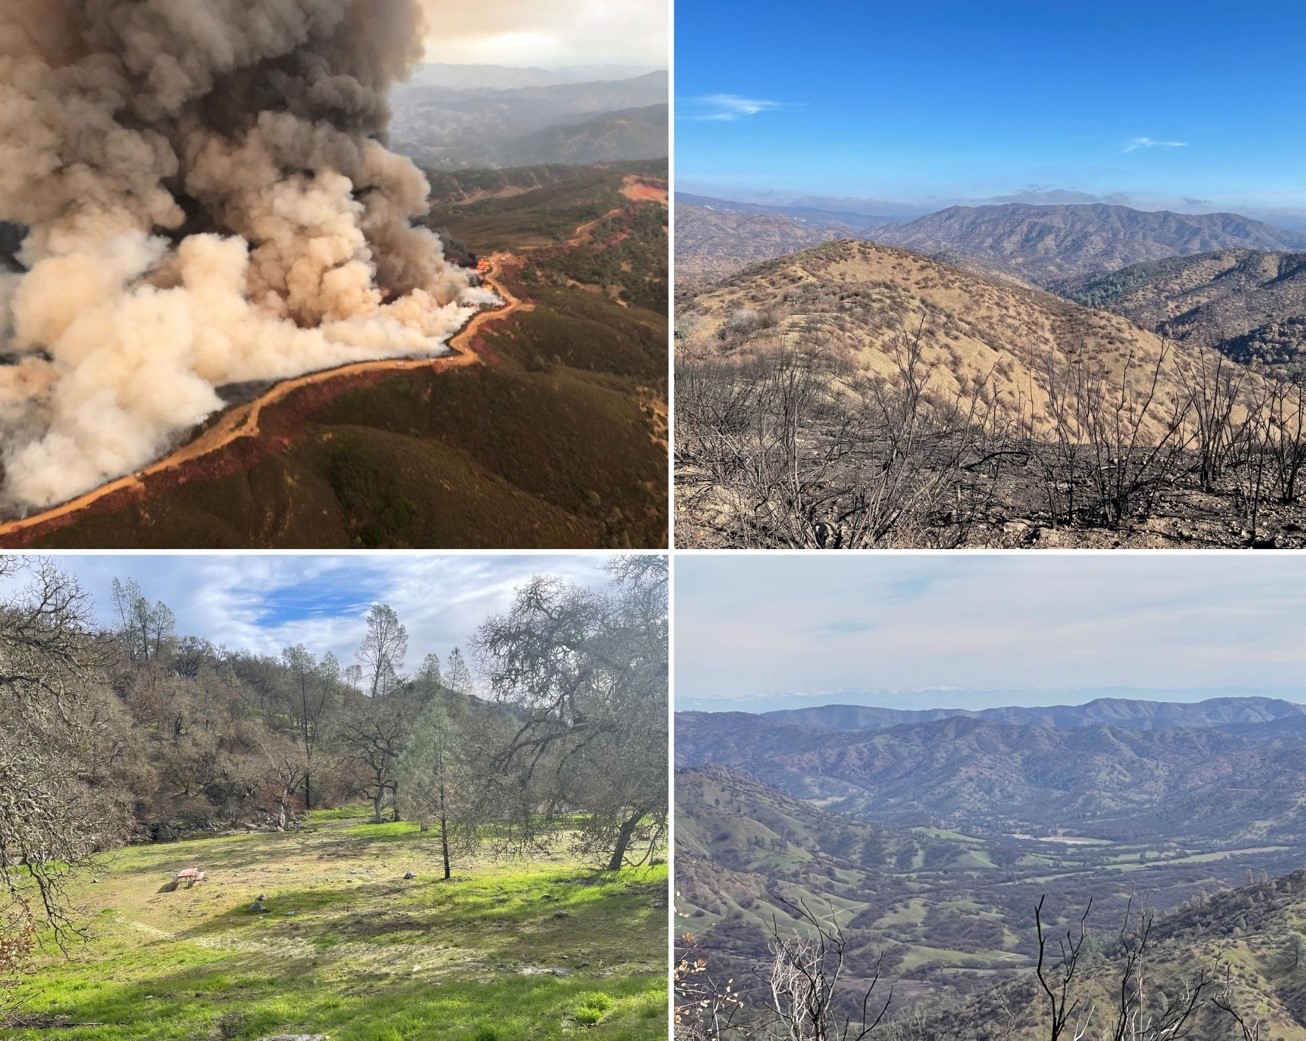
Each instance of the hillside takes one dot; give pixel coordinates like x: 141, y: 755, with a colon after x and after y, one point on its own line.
x: 916, y: 404
x: 454, y: 456
x: 857, y: 301
x: 1246, y: 304
x: 1044, y: 244
x: 933, y: 842
x: 1245, y: 943
x: 630, y: 134
x: 712, y: 243
x: 945, y: 913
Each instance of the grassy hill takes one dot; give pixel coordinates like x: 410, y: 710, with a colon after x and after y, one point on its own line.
x: 908, y: 402
x: 540, y: 947
x: 856, y: 301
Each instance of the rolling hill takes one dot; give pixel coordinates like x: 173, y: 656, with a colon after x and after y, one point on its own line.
x: 1247, y: 304
x: 1245, y: 942
x: 631, y: 134
x: 1029, y: 420
x: 1045, y: 244
x: 858, y: 301
x: 424, y: 458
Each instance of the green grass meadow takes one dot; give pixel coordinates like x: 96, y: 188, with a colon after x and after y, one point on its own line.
x: 526, y: 948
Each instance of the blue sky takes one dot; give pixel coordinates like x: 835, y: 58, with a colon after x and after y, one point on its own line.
x: 265, y: 602
x: 924, y: 631
x: 940, y: 100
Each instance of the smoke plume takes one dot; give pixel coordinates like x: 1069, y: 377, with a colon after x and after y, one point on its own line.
x: 209, y: 200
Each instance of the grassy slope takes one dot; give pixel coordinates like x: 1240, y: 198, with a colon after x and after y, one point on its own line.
x: 366, y: 956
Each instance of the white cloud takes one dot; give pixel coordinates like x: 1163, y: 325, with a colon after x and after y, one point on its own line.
x: 726, y: 108
x: 265, y: 602
x: 1135, y: 143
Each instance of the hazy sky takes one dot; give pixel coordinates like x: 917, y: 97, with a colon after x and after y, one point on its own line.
x: 552, y: 33
x: 948, y: 99
x: 754, y: 625
x: 265, y: 602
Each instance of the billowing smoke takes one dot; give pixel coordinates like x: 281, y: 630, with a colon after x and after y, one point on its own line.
x: 209, y: 201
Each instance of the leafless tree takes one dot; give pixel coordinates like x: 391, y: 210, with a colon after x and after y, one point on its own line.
x: 1067, y: 1014
x: 810, y: 994
x: 285, y: 772
x: 371, y: 734
x: 314, y: 691
x: 53, y: 817
x: 1163, y: 1014
x: 1143, y: 1010
x: 1215, y: 393
x: 381, y: 654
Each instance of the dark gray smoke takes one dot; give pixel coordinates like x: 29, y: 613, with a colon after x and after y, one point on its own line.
x: 209, y: 200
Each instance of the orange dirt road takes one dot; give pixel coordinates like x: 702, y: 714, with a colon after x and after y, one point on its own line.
x: 243, y: 420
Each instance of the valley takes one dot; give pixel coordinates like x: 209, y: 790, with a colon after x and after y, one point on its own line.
x: 931, y: 844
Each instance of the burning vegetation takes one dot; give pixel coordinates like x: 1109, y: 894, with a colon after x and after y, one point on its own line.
x: 208, y: 199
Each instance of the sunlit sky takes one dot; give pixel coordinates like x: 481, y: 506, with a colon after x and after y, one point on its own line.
x: 1185, y: 102
x: 549, y: 34
x: 266, y: 602
x: 777, y: 630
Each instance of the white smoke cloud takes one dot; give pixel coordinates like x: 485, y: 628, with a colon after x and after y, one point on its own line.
x: 209, y: 202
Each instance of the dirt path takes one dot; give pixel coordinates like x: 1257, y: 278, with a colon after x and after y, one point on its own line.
x: 243, y: 420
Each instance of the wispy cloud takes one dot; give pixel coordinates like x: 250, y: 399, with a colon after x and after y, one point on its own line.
x: 1135, y: 143
x: 726, y: 108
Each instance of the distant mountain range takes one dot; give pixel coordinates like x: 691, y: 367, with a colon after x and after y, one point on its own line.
x: 506, y: 77
x: 1129, y: 713
x: 1060, y: 247
x: 1226, y: 772
x: 1046, y: 244
x: 848, y: 220
x: 1247, y: 304
x: 444, y: 124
